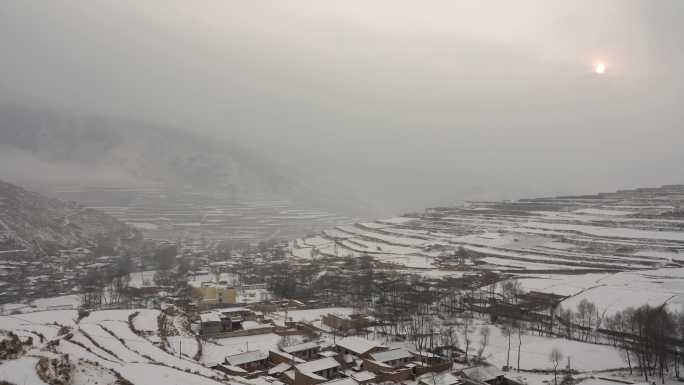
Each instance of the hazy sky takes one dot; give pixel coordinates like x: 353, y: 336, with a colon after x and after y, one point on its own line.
x: 411, y: 103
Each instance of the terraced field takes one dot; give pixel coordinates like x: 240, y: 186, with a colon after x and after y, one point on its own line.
x: 164, y: 215
x: 633, y: 236
x: 107, y: 346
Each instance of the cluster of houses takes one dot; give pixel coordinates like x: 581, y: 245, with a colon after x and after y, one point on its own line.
x: 234, y: 322
x: 353, y: 361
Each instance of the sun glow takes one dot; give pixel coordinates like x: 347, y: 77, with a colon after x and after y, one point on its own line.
x: 600, y: 68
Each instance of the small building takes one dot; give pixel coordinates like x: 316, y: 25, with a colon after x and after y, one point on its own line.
x: 444, y: 378
x: 306, y: 351
x: 363, y: 377
x: 266, y: 380
x: 278, y: 357
x: 210, y: 323
x: 233, y: 318
x: 249, y: 361
x: 487, y: 374
x: 316, y: 372
x: 279, y: 369
x: 357, y: 346
x: 395, y: 358
x: 228, y: 320
x: 211, y: 294
x: 342, y: 381
x: 345, y: 322
x: 230, y: 370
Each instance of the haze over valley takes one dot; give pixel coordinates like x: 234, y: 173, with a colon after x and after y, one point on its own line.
x: 341, y: 193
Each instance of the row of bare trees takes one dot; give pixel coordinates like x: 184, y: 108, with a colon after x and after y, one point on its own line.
x: 106, y: 286
x: 650, y: 338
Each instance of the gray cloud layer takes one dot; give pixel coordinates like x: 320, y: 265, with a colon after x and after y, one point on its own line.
x: 410, y: 103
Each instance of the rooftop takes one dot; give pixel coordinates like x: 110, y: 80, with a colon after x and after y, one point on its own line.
x: 235, y: 369
x: 318, y: 365
x: 391, y: 355
x: 300, y: 347
x: 342, y: 381
x: 357, y: 345
x: 280, y: 368
x: 246, y: 357
x: 482, y: 373
x: 440, y: 379
x: 288, y: 356
x: 363, y: 376
x: 210, y: 317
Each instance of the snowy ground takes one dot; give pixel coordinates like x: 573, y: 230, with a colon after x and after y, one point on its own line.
x: 535, y: 352
x: 20, y: 371
x: 309, y: 316
x: 104, y: 343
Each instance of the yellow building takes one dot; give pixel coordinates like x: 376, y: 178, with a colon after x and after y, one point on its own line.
x: 210, y: 295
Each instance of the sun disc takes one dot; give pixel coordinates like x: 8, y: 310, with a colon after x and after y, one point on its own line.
x: 600, y: 68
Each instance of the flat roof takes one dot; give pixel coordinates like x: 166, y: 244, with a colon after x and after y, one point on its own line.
x: 300, y: 347
x: 391, y: 355
x: 243, y: 358
x: 318, y: 365
x: 342, y: 381
x: 363, y: 376
x: 357, y: 345
x: 210, y: 317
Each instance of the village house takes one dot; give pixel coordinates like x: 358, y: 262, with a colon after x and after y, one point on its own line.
x: 485, y: 374
x: 395, y: 358
x: 400, y: 364
x: 306, y: 351
x: 363, y: 377
x: 279, y: 369
x: 316, y: 372
x: 210, y: 323
x: 248, y: 361
x: 231, y: 320
x: 209, y: 294
x: 266, y: 380
x: 278, y: 357
x: 345, y: 322
x: 445, y: 378
x: 357, y: 346
x: 342, y: 381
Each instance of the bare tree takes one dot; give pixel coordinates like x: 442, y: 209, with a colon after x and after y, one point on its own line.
x: 484, y: 340
x: 508, y: 330
x: 556, y: 357
x: 585, y: 315
x: 449, y: 340
x: 467, y: 329
x: 520, y: 333
x: 511, y: 290
x: 567, y: 317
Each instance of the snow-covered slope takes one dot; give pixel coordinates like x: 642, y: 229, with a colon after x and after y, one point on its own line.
x: 105, y: 345
x: 36, y: 224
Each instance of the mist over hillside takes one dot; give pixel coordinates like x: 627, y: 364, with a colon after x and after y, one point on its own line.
x: 45, y: 148
x: 34, y: 225
x: 304, y: 192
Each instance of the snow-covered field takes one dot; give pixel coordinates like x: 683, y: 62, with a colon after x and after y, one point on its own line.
x: 103, y: 344
x: 632, y: 289
x: 615, y: 249
x: 309, y: 316
x: 535, y: 350
x: 20, y: 371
